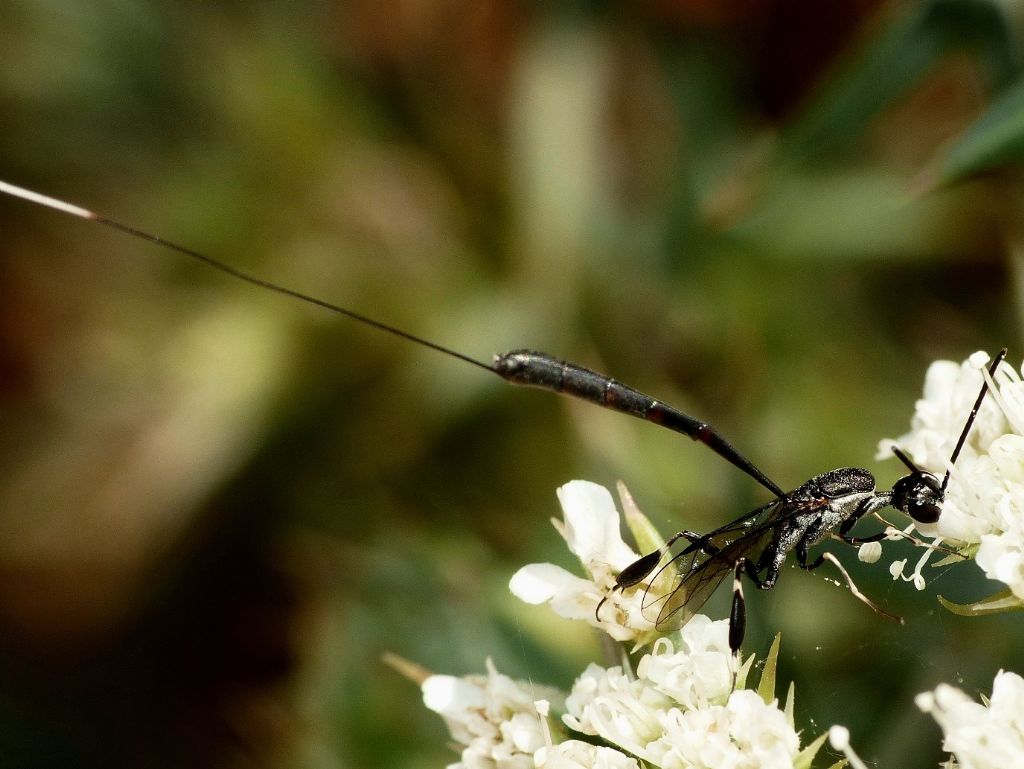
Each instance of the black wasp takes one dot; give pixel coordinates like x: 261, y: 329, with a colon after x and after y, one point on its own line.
x: 756, y: 544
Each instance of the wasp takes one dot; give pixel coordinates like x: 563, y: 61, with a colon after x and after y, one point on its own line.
x: 755, y: 545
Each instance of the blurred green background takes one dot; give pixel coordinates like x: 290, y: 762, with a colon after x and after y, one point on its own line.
x: 220, y: 507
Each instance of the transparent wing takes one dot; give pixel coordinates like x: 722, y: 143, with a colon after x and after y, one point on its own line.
x: 695, y: 572
x: 694, y: 587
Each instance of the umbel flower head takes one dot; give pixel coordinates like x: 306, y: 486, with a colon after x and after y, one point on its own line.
x: 685, y: 707
x: 491, y: 717
x: 986, y: 735
x: 983, y: 511
x: 679, y: 711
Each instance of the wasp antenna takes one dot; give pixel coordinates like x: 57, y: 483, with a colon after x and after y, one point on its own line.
x: 905, y: 459
x: 970, y: 417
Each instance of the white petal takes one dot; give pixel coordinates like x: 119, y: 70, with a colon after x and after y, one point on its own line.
x: 541, y: 582
x: 592, y: 525
x: 451, y: 696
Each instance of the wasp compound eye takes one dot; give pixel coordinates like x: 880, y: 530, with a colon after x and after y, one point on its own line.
x: 924, y: 512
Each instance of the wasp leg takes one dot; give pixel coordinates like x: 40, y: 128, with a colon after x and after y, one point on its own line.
x: 801, y: 559
x: 643, y: 567
x: 848, y: 524
x: 856, y: 590
x: 813, y: 534
x: 857, y: 541
x: 738, y: 612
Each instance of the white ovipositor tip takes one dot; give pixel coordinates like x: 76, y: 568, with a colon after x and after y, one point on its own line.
x: 43, y: 200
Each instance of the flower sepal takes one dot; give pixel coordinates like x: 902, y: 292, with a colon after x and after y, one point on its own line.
x: 997, y: 603
x: 805, y: 758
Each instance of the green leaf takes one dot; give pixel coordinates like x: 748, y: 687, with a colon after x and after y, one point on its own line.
x: 997, y: 603
x: 995, y: 139
x: 905, y: 48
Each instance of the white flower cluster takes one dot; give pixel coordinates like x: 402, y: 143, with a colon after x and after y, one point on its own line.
x: 682, y: 709
x: 576, y: 754
x: 981, y: 736
x: 492, y: 717
x: 686, y: 706
x: 984, y: 504
x: 679, y: 712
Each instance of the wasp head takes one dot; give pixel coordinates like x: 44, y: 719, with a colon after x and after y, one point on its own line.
x: 918, y: 494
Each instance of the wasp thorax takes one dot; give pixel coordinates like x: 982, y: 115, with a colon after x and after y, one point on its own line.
x: 846, y: 481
